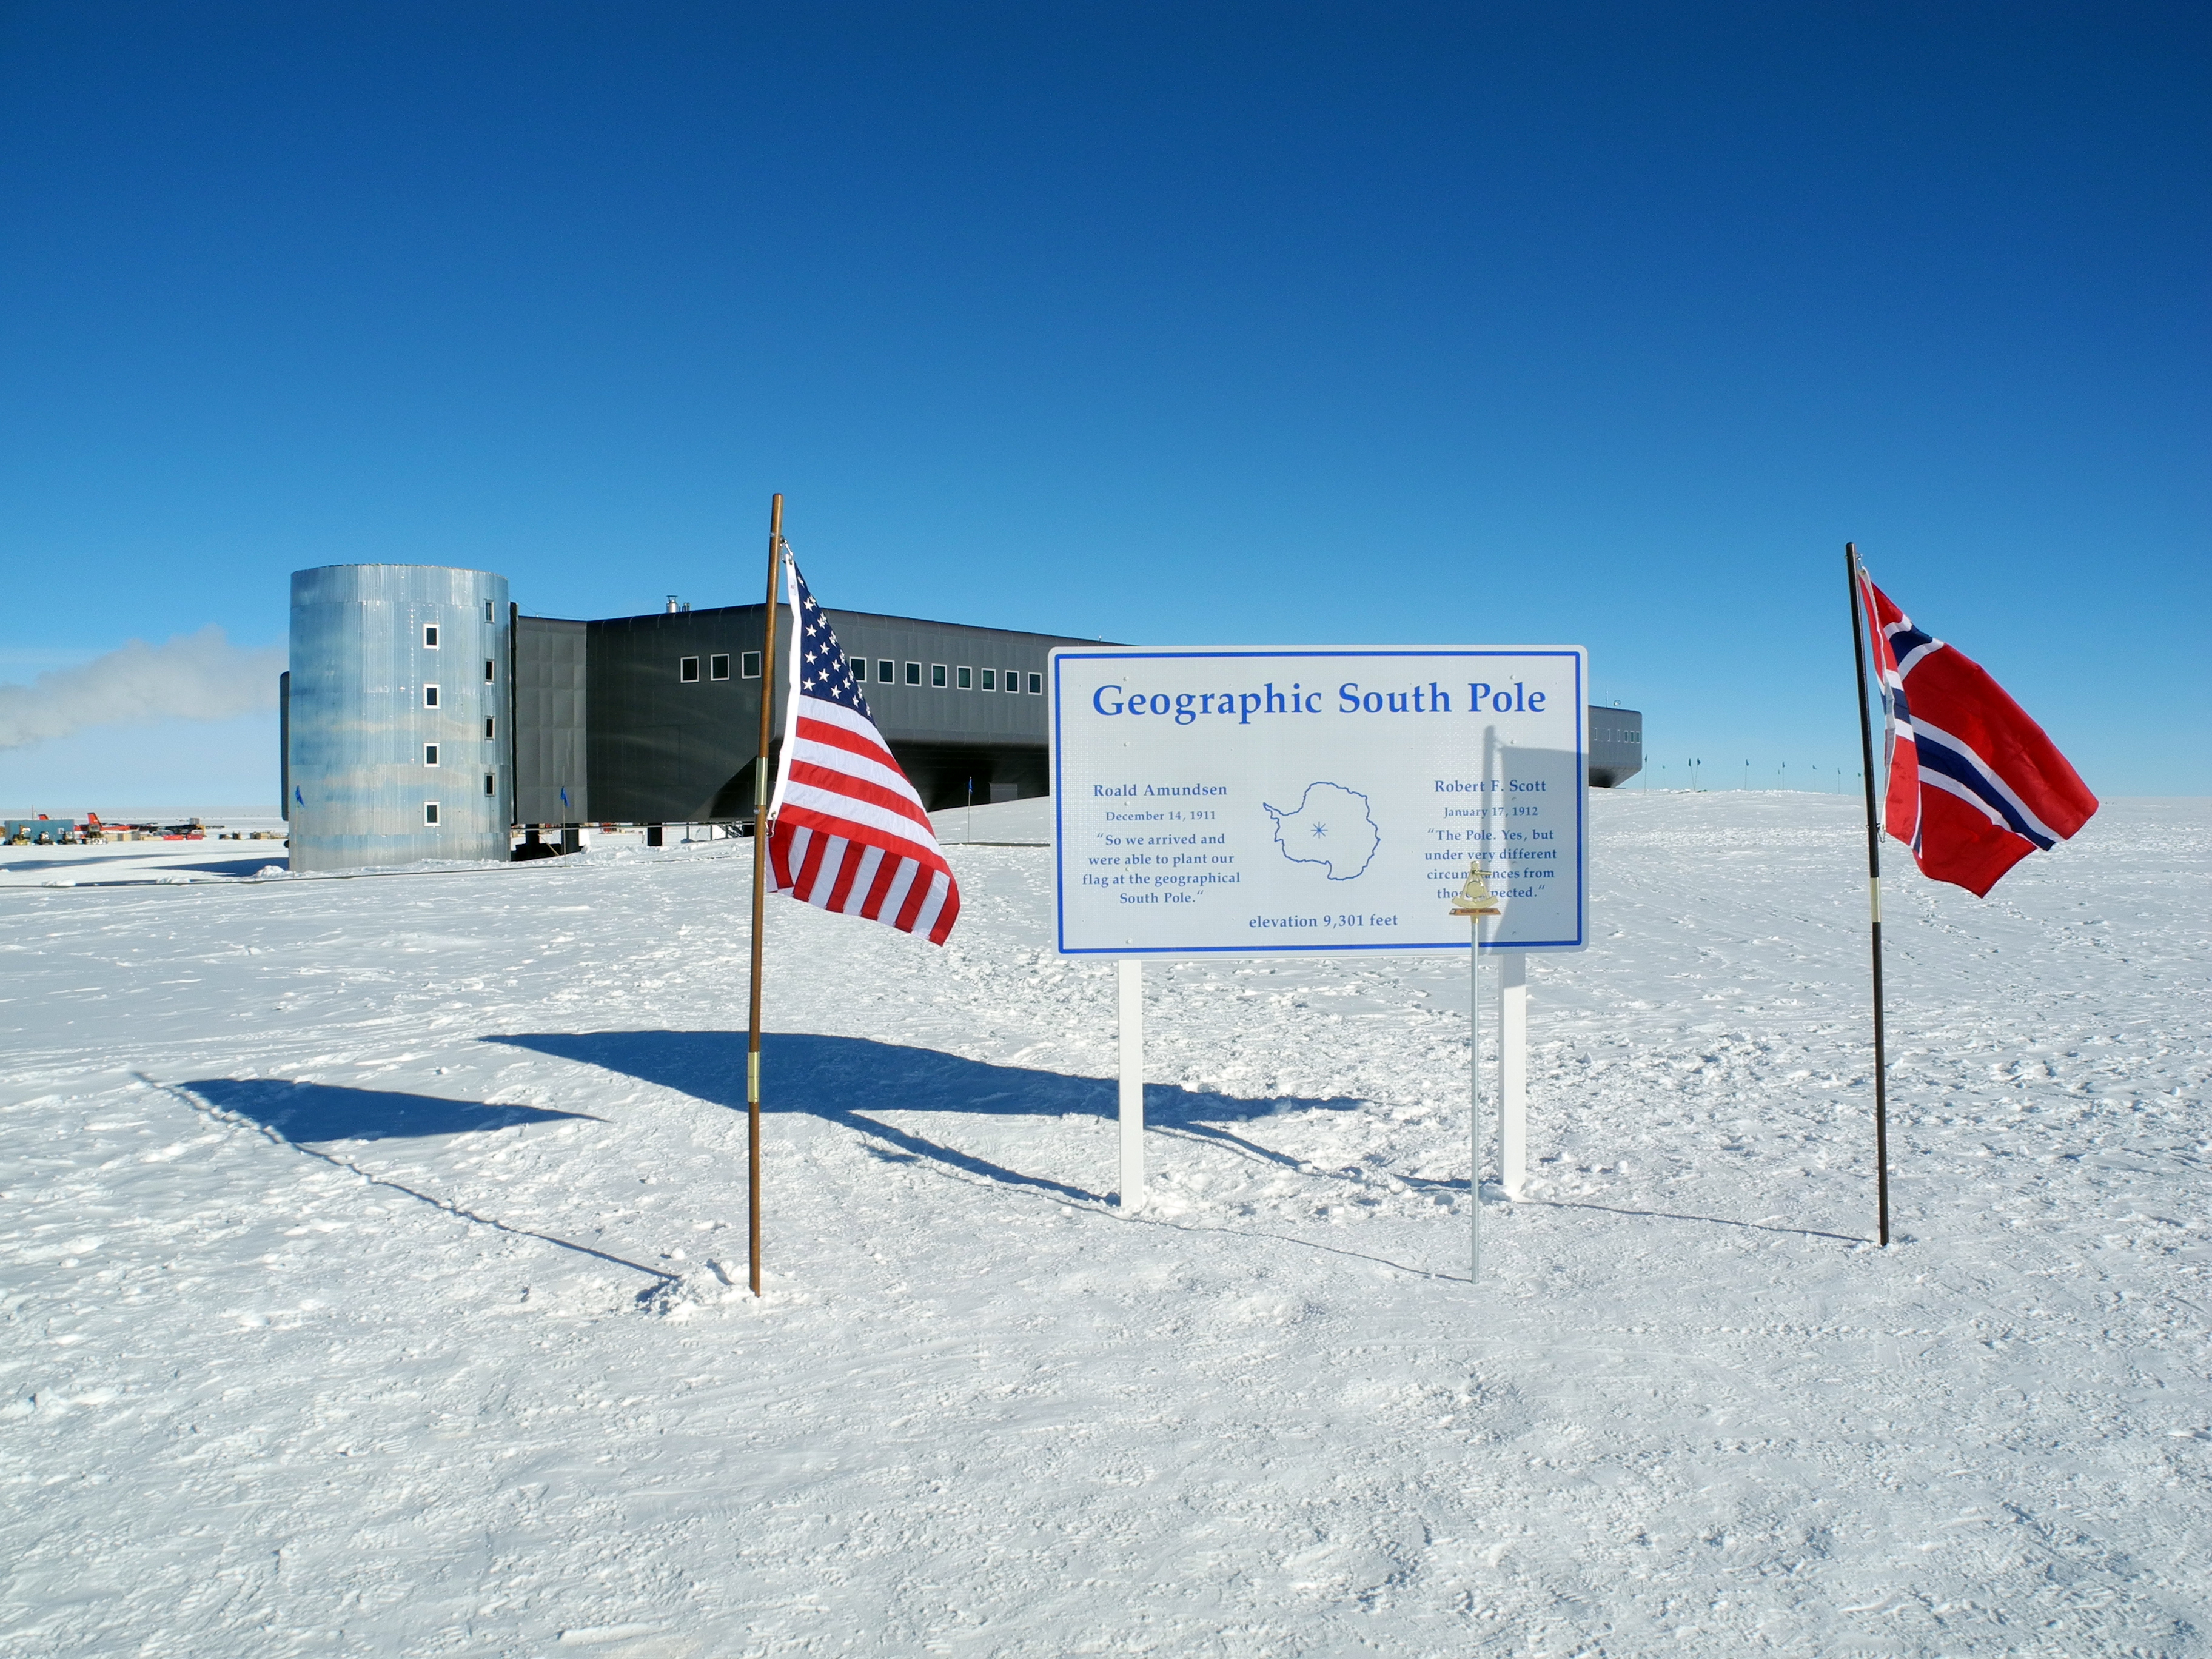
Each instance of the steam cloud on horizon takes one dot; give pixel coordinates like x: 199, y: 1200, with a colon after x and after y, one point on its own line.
x: 198, y: 676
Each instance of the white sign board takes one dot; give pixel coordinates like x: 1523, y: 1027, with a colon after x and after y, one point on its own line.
x: 1253, y: 802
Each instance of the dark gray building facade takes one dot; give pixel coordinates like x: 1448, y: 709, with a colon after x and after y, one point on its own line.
x: 655, y: 719
x: 1616, y: 745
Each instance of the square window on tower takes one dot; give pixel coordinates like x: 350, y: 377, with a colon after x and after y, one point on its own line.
x: 429, y: 636
x: 886, y: 670
x: 749, y: 665
x: 491, y: 727
x: 688, y: 670
x: 1037, y: 685
x: 491, y: 783
x: 914, y: 673
x: 1014, y: 679
x: 718, y: 665
x: 487, y: 670
x: 429, y: 811
x: 990, y: 679
x: 430, y: 753
x: 429, y: 696
x: 937, y: 675
x: 965, y: 678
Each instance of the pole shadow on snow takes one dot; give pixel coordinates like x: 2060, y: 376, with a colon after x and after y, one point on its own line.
x: 1458, y: 1183
x: 1676, y: 1215
x: 843, y: 1079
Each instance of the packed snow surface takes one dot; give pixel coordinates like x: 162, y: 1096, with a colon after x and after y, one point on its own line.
x: 374, y: 1255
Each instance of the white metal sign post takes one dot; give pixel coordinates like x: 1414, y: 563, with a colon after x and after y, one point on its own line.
x: 1512, y: 1070
x: 1477, y: 903
x: 1130, y: 974
x: 1474, y: 1108
x: 1235, y: 801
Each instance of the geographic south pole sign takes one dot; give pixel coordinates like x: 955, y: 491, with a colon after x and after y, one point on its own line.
x: 1244, y: 802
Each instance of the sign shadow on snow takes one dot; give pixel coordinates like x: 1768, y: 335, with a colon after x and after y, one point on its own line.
x: 842, y: 1079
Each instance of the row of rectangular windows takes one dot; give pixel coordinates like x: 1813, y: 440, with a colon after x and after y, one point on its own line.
x: 718, y: 668
x: 940, y: 676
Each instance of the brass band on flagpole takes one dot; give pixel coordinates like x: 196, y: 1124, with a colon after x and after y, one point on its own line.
x: 1874, y: 900
x: 760, y: 903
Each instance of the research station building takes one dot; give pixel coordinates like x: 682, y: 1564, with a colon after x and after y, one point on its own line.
x: 424, y: 717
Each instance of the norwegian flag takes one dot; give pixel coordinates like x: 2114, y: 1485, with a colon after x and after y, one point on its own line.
x: 846, y: 831
x: 1974, y: 785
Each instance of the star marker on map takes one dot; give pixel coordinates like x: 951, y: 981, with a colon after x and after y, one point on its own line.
x: 1330, y: 826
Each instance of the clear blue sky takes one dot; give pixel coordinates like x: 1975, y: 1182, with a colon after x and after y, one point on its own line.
x: 1158, y: 323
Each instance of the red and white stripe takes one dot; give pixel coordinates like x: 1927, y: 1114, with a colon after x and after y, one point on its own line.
x: 846, y: 831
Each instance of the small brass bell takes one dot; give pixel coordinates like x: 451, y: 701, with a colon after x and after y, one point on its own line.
x: 1475, y: 899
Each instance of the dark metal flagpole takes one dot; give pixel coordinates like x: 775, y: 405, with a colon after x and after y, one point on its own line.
x: 760, y: 901
x: 1874, y: 900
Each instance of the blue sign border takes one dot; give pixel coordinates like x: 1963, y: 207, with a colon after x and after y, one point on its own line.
x: 1581, y: 940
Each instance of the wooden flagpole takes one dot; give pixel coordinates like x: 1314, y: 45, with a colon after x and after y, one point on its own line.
x: 760, y: 901
x: 1874, y: 900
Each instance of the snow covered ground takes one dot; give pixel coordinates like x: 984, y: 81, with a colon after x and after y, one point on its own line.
x: 365, y: 1247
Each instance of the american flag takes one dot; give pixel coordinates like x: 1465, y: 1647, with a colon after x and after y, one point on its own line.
x: 846, y: 831
x: 1975, y: 786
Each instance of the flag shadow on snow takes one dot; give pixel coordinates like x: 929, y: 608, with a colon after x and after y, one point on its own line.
x: 300, y: 1115
x: 308, y: 1113
x: 841, y: 1078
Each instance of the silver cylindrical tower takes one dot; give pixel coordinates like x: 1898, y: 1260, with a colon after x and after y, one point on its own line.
x: 398, y: 743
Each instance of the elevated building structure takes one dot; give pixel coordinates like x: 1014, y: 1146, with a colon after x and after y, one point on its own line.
x: 425, y: 716
x: 655, y: 719
x: 1616, y: 745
